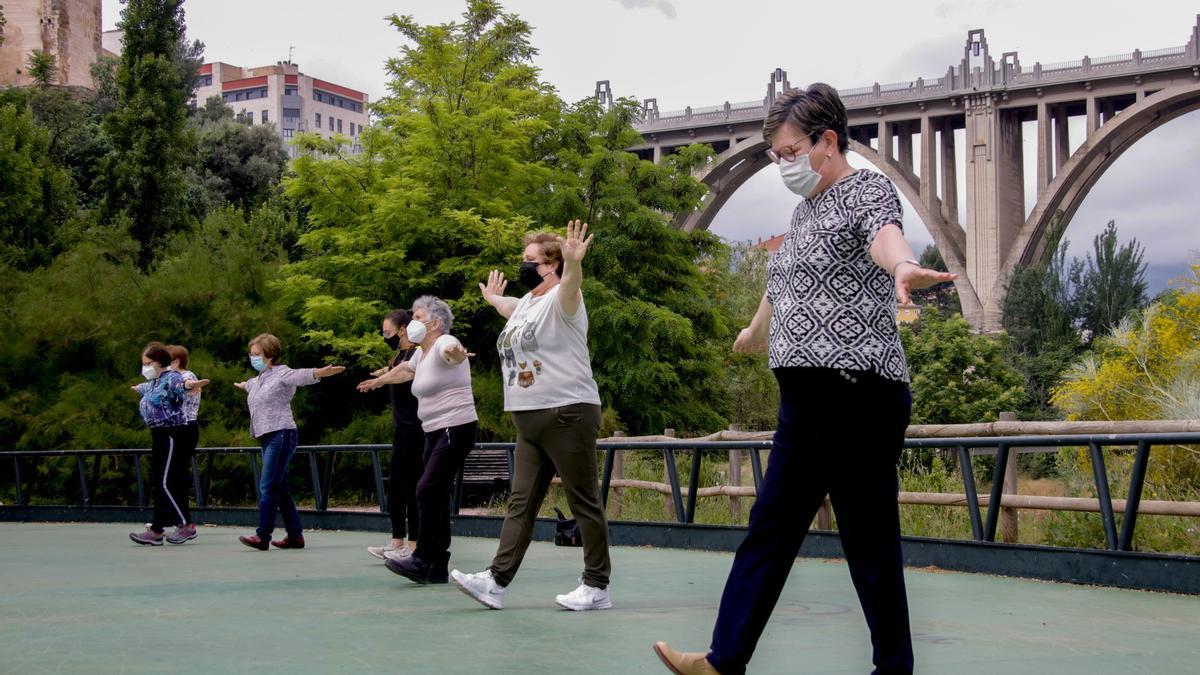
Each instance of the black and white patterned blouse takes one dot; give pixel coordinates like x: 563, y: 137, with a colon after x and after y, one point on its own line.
x: 831, y: 305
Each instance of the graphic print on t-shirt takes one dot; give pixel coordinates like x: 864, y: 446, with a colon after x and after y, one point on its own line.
x: 517, y: 347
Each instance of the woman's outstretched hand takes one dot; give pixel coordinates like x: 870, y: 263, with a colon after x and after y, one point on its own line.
x: 910, y: 277
x: 575, y: 246
x: 328, y: 371
x: 494, y: 288
x: 456, y: 354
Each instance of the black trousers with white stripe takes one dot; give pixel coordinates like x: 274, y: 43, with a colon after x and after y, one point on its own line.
x: 170, y: 474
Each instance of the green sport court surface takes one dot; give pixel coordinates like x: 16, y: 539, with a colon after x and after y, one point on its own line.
x: 82, y: 598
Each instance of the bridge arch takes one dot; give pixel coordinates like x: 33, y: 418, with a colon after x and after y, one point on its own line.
x: 1066, y: 192
x: 739, y: 163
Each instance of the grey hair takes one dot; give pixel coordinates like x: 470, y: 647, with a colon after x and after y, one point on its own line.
x: 437, y: 309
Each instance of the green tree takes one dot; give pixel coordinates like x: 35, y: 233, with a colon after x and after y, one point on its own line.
x: 237, y: 164
x: 43, y: 67
x: 36, y: 197
x: 1112, y: 283
x: 470, y: 151
x: 3, y: 22
x: 957, y: 376
x: 1038, y: 315
x: 143, y: 176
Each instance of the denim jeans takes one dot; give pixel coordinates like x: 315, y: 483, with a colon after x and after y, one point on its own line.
x: 274, y: 494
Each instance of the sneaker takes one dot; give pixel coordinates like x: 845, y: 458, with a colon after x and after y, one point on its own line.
x: 684, y: 664
x: 147, y: 538
x: 584, y: 598
x: 415, y: 569
x: 182, y: 534
x: 290, y: 542
x: 254, y: 541
x: 390, y: 551
x: 482, y: 587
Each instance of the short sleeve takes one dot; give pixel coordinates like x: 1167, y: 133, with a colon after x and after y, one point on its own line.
x: 878, y: 205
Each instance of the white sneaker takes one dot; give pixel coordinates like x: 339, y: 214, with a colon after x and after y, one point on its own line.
x: 391, y: 552
x: 584, y: 598
x: 482, y: 587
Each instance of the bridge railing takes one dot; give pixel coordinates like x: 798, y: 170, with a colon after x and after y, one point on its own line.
x: 684, y: 497
x: 955, y: 80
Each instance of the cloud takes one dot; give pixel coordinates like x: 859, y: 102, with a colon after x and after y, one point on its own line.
x: 663, y: 6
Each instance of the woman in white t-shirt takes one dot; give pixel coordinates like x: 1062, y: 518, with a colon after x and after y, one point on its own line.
x: 555, y: 405
x: 441, y: 382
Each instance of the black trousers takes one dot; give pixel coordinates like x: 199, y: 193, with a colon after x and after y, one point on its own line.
x: 171, y: 453
x: 840, y: 433
x: 405, y: 469
x: 445, y: 451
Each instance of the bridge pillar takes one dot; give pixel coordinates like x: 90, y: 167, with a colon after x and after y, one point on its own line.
x: 885, y: 140
x: 1045, y: 157
x: 904, y: 146
x: 995, y: 201
x: 949, y: 174
x: 1093, y: 118
x: 929, y: 164
x: 1062, y: 137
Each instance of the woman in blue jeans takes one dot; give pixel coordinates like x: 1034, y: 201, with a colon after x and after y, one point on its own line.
x: 269, y: 396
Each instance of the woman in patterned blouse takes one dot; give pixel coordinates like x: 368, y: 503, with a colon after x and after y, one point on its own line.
x: 828, y: 323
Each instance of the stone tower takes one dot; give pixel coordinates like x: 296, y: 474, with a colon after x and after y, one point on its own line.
x: 68, y: 29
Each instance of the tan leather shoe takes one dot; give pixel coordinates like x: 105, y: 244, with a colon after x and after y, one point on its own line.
x: 684, y: 664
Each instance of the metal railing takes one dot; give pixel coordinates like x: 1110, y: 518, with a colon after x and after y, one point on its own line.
x: 684, y: 498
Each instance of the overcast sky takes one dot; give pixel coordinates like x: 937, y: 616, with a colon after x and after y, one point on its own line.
x: 705, y: 52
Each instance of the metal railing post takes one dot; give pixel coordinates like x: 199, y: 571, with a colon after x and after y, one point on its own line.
x: 1136, y: 482
x: 968, y: 474
x: 316, y: 480
x: 379, y: 492
x: 693, y: 486
x: 673, y: 478
x: 17, y: 477
x: 605, y: 477
x: 993, y: 514
x: 83, y: 483
x: 141, y: 489
x: 1106, y: 506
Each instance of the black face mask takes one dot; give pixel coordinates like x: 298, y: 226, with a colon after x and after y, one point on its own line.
x: 393, y: 342
x: 529, y: 275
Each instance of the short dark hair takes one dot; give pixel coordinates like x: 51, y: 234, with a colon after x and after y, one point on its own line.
x: 179, y: 353
x: 157, y: 352
x: 398, y: 317
x: 812, y: 111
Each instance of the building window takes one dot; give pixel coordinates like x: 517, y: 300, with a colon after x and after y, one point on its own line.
x: 339, y: 125
x: 289, y: 133
x: 318, y: 119
x: 206, y: 80
x: 331, y: 124
x: 264, y: 117
x: 290, y: 91
x: 352, y: 128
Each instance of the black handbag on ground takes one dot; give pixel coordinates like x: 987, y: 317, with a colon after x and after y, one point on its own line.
x: 566, y: 531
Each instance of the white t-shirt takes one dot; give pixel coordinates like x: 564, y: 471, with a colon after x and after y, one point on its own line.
x: 443, y: 391
x: 544, y: 355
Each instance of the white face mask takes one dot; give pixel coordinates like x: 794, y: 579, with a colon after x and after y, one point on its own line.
x: 149, y: 372
x: 800, y: 177
x: 416, y: 331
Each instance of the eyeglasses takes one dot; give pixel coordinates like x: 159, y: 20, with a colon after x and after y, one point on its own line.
x: 788, y: 154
